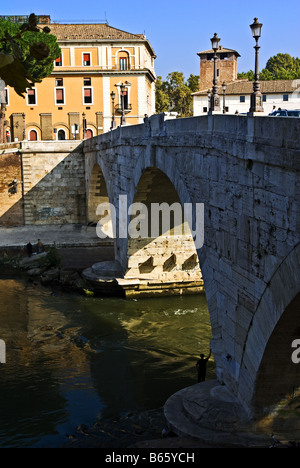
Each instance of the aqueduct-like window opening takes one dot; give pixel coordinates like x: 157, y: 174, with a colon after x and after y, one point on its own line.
x: 160, y: 243
x: 278, y: 380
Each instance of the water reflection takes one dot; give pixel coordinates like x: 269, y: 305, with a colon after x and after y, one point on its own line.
x: 71, y: 359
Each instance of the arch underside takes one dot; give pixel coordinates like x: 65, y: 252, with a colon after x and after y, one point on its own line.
x: 165, y: 250
x: 273, y: 378
x: 278, y: 378
x: 97, y: 194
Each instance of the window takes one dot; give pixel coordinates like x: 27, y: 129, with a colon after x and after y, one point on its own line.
x: 59, y: 82
x: 31, y: 97
x: 59, y: 96
x: 58, y: 62
x: 285, y: 97
x: 264, y: 98
x: 87, y: 81
x: 242, y: 99
x: 86, y: 59
x: 61, y: 135
x: 87, y: 96
x: 123, y: 63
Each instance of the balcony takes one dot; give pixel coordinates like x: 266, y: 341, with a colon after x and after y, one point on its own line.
x: 128, y: 108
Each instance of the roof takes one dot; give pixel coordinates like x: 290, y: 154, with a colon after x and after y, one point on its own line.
x: 221, y: 50
x: 90, y: 31
x: 94, y: 32
x: 246, y: 87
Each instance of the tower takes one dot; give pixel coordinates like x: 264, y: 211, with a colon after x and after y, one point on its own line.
x: 226, y: 66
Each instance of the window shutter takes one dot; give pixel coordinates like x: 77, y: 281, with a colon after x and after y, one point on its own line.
x: 86, y: 59
x: 60, y: 95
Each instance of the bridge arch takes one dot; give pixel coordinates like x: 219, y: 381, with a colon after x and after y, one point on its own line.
x: 160, y: 242
x: 267, y: 364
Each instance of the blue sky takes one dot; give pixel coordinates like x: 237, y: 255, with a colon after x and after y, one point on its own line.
x: 178, y: 29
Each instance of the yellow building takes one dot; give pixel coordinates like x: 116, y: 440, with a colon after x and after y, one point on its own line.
x: 76, y: 100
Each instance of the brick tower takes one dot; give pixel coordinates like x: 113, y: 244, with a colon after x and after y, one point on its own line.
x: 226, y: 66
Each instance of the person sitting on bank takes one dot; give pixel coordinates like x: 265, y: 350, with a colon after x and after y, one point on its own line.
x: 201, y: 366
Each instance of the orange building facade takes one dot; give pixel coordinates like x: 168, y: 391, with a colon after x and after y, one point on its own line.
x: 82, y: 96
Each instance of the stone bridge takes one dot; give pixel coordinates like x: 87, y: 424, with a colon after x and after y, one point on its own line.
x: 240, y: 176
x: 245, y: 172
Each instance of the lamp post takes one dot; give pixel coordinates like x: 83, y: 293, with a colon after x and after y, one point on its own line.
x: 224, y: 90
x: 208, y: 98
x: 113, y: 122
x: 123, y: 94
x: 83, y: 125
x: 256, y: 97
x: 215, y: 100
x: 24, y: 133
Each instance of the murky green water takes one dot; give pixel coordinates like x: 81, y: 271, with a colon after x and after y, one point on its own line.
x: 71, y: 359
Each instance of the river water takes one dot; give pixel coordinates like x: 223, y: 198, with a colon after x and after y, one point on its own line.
x: 71, y: 360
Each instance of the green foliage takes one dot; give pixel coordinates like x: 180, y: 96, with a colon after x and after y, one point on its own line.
x: 51, y: 259
x: 278, y: 67
x: 246, y: 75
x: 193, y: 83
x: 162, y: 101
x: 175, y: 94
x: 283, y: 67
x: 12, y: 262
x: 27, y: 53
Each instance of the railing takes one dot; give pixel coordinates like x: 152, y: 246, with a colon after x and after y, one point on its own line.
x: 127, y: 109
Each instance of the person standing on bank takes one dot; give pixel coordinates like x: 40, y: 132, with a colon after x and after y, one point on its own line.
x: 29, y: 249
x: 201, y: 366
x: 40, y: 247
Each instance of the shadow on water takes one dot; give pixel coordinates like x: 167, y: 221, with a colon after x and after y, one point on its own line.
x: 72, y: 359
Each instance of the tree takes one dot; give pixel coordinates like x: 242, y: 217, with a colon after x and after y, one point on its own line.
x: 193, y: 83
x: 278, y: 67
x: 175, y: 94
x: 246, y: 75
x: 162, y: 102
x: 27, y: 53
x: 283, y: 67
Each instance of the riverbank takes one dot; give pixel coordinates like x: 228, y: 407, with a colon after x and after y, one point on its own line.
x: 59, y: 268
x: 67, y: 251
x: 85, y: 263
x: 140, y: 430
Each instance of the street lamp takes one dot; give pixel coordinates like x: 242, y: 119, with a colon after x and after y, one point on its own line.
x: 123, y: 93
x: 215, y: 100
x: 208, y: 97
x: 256, y: 97
x: 113, y: 122
x: 224, y: 90
x: 24, y: 133
x: 83, y: 125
